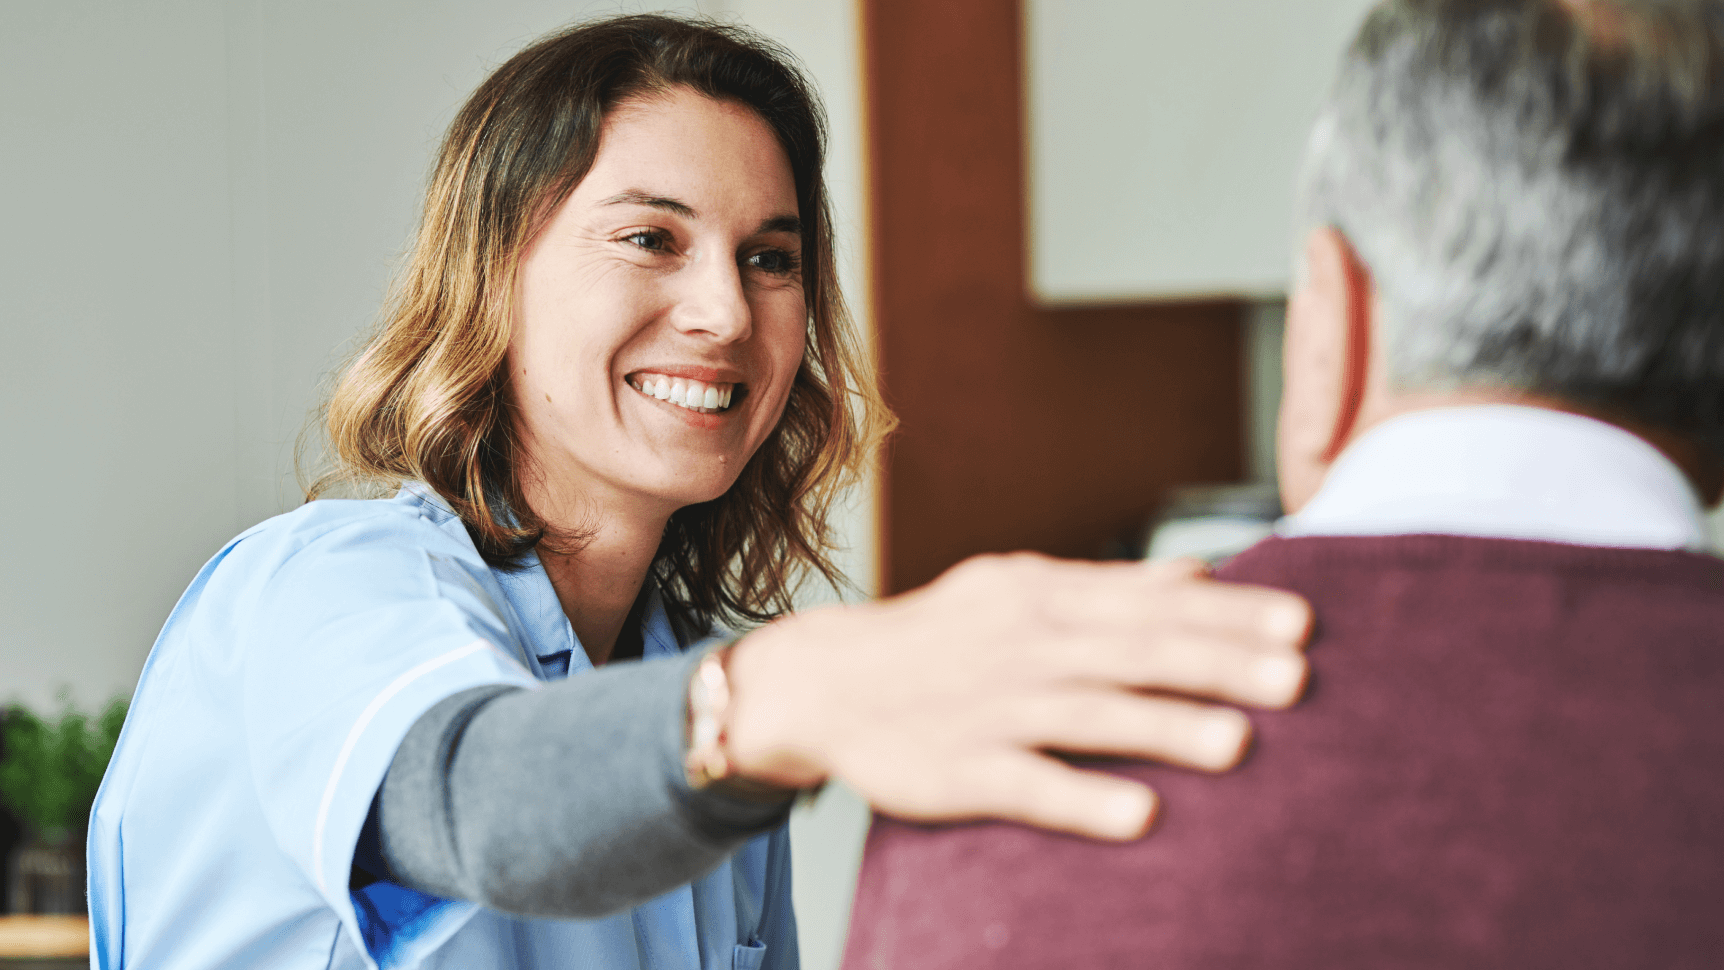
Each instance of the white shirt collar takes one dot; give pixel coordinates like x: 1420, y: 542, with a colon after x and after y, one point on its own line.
x: 1506, y: 472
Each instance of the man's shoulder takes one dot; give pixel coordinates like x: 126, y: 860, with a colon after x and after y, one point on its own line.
x: 1495, y: 729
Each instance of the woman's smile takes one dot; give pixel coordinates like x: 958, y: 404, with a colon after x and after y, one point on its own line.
x: 701, y: 390
x: 688, y: 395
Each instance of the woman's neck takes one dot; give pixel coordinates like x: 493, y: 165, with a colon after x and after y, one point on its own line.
x: 597, y: 560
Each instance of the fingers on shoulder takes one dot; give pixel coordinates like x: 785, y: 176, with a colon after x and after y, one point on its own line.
x: 1111, y: 722
x: 1176, y: 594
x: 1182, y: 663
x: 1149, y: 600
x: 1033, y: 789
x: 1261, y: 616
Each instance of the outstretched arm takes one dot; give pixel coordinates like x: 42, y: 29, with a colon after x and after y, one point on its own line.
x: 565, y: 802
x: 936, y: 705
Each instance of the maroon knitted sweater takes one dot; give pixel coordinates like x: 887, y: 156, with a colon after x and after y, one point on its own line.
x: 1511, y: 755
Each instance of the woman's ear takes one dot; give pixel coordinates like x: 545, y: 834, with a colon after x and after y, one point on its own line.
x: 1325, y: 365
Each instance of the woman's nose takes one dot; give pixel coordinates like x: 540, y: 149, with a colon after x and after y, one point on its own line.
x: 714, y: 303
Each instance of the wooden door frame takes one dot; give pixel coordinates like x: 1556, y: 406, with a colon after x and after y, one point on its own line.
x: 1023, y: 427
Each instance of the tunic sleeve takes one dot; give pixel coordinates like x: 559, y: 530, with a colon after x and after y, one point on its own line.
x: 350, y: 629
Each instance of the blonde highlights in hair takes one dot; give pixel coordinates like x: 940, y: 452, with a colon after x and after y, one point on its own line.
x: 428, y: 399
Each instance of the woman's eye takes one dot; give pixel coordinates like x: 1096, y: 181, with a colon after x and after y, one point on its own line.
x: 776, y: 261
x: 653, y: 242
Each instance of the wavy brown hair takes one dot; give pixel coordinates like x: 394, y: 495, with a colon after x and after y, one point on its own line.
x: 428, y: 398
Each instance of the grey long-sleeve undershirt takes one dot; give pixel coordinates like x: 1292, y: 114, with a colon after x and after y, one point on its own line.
x: 570, y: 801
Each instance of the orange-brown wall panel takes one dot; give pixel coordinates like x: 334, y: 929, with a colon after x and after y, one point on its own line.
x: 1023, y: 428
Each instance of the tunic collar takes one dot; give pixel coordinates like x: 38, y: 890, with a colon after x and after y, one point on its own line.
x: 552, y: 638
x: 554, y: 649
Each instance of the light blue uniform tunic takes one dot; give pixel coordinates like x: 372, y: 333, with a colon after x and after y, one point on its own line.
x: 265, y: 719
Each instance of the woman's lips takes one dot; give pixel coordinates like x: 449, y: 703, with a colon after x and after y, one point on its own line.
x: 704, y: 397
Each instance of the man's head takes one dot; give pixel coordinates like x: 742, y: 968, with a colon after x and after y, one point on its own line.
x: 1516, y: 200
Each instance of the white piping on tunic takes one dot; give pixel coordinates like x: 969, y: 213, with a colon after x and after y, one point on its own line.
x: 400, y: 683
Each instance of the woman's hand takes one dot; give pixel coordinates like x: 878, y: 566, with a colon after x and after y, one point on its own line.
x: 937, y: 705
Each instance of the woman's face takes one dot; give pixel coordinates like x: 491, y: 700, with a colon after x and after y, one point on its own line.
x: 660, y: 314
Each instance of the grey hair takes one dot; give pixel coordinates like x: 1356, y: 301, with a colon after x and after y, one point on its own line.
x: 1537, y: 187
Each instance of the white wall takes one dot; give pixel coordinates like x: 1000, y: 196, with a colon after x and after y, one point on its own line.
x: 1165, y: 137
x: 204, y: 200
x: 118, y: 380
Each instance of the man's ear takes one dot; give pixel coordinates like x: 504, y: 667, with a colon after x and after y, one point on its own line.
x: 1326, y: 364
x: 1350, y: 276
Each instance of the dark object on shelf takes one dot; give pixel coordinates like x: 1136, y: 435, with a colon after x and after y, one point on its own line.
x: 45, y: 875
x: 49, y: 772
x: 11, y: 831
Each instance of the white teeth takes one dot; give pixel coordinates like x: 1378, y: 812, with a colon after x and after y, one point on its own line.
x: 694, y: 395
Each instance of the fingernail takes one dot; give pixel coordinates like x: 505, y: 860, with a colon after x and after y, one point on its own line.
x: 1128, y: 811
x: 1286, y: 622
x: 1222, y: 737
x: 1278, y: 677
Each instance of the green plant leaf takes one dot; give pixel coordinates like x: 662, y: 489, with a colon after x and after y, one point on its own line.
x: 52, y: 769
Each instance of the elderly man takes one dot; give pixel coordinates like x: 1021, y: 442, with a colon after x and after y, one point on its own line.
x: 1504, y: 413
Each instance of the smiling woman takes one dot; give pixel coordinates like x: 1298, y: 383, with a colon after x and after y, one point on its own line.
x: 614, y: 395
x: 629, y: 196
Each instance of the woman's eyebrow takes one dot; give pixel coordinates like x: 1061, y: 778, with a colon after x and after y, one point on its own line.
x: 790, y: 224
x: 786, y: 223
x: 653, y: 201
